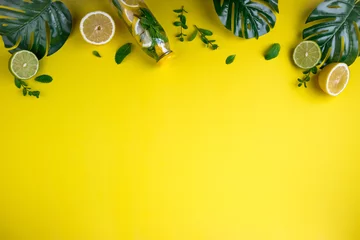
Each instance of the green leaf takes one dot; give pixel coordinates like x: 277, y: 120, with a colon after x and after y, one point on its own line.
x: 22, y: 20
x: 182, y: 19
x: 247, y: 18
x: 17, y: 83
x: 24, y: 92
x: 184, y: 26
x: 334, y: 25
x: 205, y: 40
x: 273, y: 51
x: 314, y: 70
x: 177, y: 24
x: 178, y: 10
x: 300, y: 80
x: 193, y: 35
x: 181, y: 39
x: 122, y: 53
x: 179, y: 35
x: 206, y: 32
x: 300, y: 84
x: 36, y: 94
x: 214, y: 47
x: 307, y: 71
x: 230, y: 59
x: 44, y: 79
x: 96, y: 54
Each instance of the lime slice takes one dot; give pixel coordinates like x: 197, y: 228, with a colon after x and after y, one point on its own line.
x: 334, y: 78
x: 141, y: 35
x: 307, y: 54
x: 97, y: 28
x: 24, y: 65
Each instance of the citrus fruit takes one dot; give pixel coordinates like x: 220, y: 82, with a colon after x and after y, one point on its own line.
x: 97, y: 28
x: 24, y: 65
x: 130, y: 4
x: 334, y: 78
x: 307, y: 54
x: 128, y: 16
x: 141, y: 35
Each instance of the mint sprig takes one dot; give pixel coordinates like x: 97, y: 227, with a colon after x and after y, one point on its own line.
x: 181, y: 23
x: 307, y: 76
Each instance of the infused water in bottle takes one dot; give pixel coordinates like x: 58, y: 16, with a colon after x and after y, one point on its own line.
x: 142, y: 24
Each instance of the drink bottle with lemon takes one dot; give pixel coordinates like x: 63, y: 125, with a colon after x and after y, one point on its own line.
x: 142, y: 24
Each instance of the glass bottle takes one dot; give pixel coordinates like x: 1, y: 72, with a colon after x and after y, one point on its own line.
x: 142, y: 24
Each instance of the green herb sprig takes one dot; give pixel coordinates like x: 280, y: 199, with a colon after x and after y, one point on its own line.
x: 307, y: 76
x: 25, y: 89
x: 204, y: 34
x: 149, y: 22
x: 181, y: 23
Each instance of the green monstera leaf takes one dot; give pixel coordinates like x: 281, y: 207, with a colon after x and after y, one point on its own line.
x: 40, y: 26
x: 247, y: 18
x: 334, y: 25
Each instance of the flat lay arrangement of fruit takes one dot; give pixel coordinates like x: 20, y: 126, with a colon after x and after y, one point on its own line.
x: 328, y: 47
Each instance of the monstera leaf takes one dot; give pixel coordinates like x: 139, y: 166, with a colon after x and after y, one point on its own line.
x: 334, y: 26
x: 247, y: 18
x: 41, y: 26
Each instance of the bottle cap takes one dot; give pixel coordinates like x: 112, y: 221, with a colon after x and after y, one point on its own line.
x: 165, y: 57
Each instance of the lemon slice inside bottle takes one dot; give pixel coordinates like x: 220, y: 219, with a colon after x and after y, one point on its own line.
x: 130, y: 4
x: 141, y: 35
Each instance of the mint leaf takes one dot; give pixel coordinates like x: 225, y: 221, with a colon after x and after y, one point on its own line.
x: 206, y: 32
x: 17, y: 83
x: 122, y: 53
x: 44, y: 79
x: 273, y: 51
x: 96, y: 54
x: 193, y: 35
x: 230, y: 59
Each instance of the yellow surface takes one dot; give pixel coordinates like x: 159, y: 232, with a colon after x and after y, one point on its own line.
x: 192, y: 150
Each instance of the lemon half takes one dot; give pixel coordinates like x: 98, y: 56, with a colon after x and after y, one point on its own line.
x: 334, y: 78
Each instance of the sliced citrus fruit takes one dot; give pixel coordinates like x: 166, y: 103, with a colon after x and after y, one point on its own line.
x: 130, y: 4
x: 24, y: 65
x: 97, y: 28
x: 307, y: 54
x: 141, y: 35
x: 128, y: 16
x: 334, y: 78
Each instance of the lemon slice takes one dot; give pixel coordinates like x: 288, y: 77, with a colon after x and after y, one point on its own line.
x: 24, y: 65
x: 141, y: 35
x: 97, y: 28
x: 130, y: 4
x: 334, y: 78
x: 307, y: 54
x: 128, y: 16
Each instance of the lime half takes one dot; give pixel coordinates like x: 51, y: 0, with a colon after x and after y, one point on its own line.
x: 24, y: 64
x: 307, y: 54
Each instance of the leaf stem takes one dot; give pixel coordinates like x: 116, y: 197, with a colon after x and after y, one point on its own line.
x: 202, y: 35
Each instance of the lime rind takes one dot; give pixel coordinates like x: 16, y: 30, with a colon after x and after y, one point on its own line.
x: 307, y: 54
x: 24, y: 65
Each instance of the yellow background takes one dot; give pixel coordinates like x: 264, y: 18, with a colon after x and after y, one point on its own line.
x: 192, y: 150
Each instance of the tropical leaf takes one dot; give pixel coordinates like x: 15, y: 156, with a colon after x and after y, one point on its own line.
x: 40, y: 26
x: 334, y: 25
x: 247, y: 18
